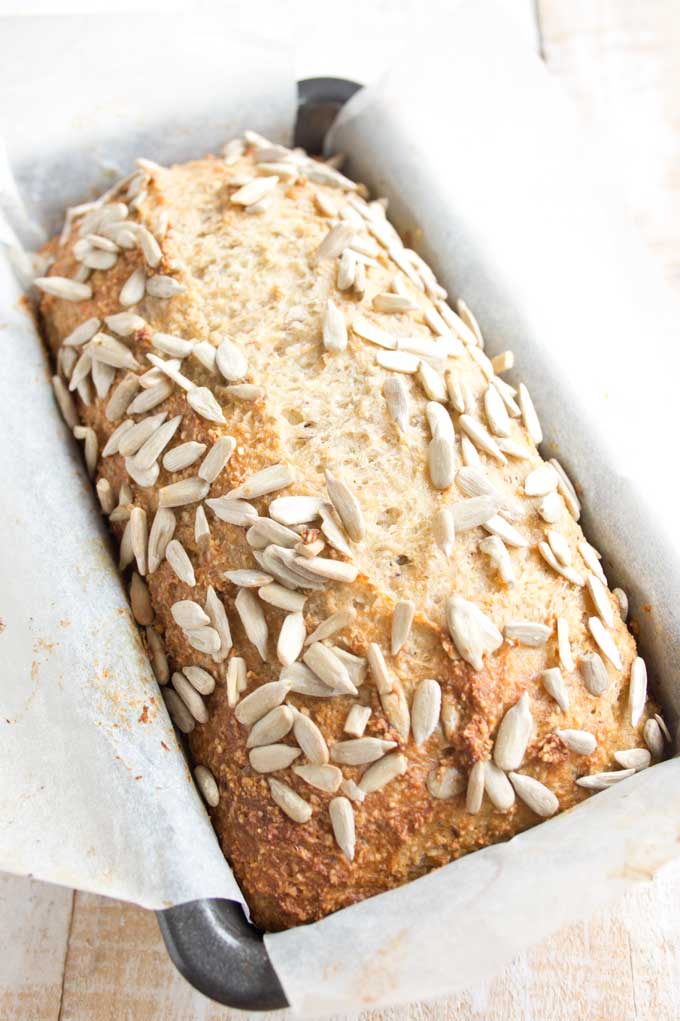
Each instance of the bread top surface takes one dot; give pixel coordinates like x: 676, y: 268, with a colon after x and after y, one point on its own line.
x: 258, y: 280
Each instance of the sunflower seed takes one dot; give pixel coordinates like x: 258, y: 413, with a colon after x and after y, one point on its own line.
x: 605, y: 641
x: 231, y: 361
x: 159, y: 660
x: 154, y: 446
x: 633, y: 758
x: 151, y: 250
x: 145, y: 478
x: 472, y: 632
x: 560, y: 547
x: 247, y: 578
x: 295, y: 510
x: 295, y: 807
x: 179, y: 561
x: 653, y: 738
x: 495, y: 549
x: 367, y: 330
x: 551, y: 508
x: 268, y: 480
x: 637, y: 693
x: 106, y: 496
x: 398, y: 361
x: 80, y: 371
x: 186, y: 491
x: 216, y: 458
x: 581, y: 742
x: 600, y: 599
x: 191, y: 698
x: 360, y: 751
x: 112, y: 352
x: 335, y: 242
x: 201, y: 680
x: 271, y: 560
x: 526, y: 632
x: 342, y: 822
x: 125, y: 323
x: 513, y: 735
x: 592, y: 559
x: 481, y: 438
x: 133, y: 289
x: 138, y: 537
x: 62, y: 287
x: 271, y: 758
x: 498, y: 788
x: 347, y: 507
x: 170, y: 367
x: 402, y: 620
x: 664, y: 729
x: 291, y: 639
x: 334, y: 570
x: 529, y: 416
x: 503, y: 361
x: 182, y: 456
x: 235, y: 512
x: 600, y: 781
x: 384, y: 680
x: 177, y: 347
x: 252, y: 617
x: 178, y: 712
x: 323, y: 662
x: 396, y: 710
x: 164, y: 287
x: 346, y: 270
x: 475, y: 788
x: 303, y: 682
x: 356, y: 666
x: 594, y: 673
x: 569, y: 573
x: 357, y: 718
x: 563, y: 646
x: 334, y: 328
x: 265, y: 532
x: 254, y: 191
x: 425, y: 710
x: 446, y: 783
x: 261, y: 701
x: 282, y: 598
x: 496, y: 413
x: 324, y: 778
x: 91, y: 447
x: 310, y: 739
x: 207, y: 785
x: 444, y: 531
x: 553, y: 683
x: 393, y: 303
x: 205, y: 404
x: 474, y: 511
x: 567, y: 490
x: 513, y: 449
x: 383, y: 772
x: 131, y: 440
x: 126, y: 554
x: 473, y: 482
x: 332, y: 530
x: 122, y: 396
x: 541, y: 481
x: 188, y: 614
x: 150, y: 398
x: 66, y: 360
x: 432, y: 383
x: 162, y: 531
x: 140, y: 600
x: 82, y: 333
x: 236, y: 680
x: 535, y: 795
x: 271, y: 727
x: 622, y: 600
x: 441, y: 461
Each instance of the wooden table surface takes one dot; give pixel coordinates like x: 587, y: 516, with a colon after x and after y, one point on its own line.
x: 78, y: 957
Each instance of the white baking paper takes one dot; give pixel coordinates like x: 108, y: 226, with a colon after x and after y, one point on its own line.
x: 479, y: 157
x: 94, y: 790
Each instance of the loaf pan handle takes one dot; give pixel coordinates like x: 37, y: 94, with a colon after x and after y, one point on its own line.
x: 216, y: 949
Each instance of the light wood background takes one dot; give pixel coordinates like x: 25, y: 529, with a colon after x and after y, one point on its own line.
x: 68, y: 956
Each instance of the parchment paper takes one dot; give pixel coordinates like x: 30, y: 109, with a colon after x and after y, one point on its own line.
x: 479, y: 155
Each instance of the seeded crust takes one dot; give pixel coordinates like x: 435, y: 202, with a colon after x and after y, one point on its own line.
x: 252, y: 278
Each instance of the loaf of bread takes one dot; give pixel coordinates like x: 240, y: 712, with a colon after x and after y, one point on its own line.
x: 366, y: 597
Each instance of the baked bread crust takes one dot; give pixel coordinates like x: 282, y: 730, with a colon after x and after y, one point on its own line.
x: 259, y: 280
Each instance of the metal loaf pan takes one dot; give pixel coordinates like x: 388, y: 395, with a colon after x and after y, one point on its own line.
x: 211, y: 942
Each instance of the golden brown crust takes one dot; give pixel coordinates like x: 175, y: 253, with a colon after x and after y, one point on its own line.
x: 254, y: 279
